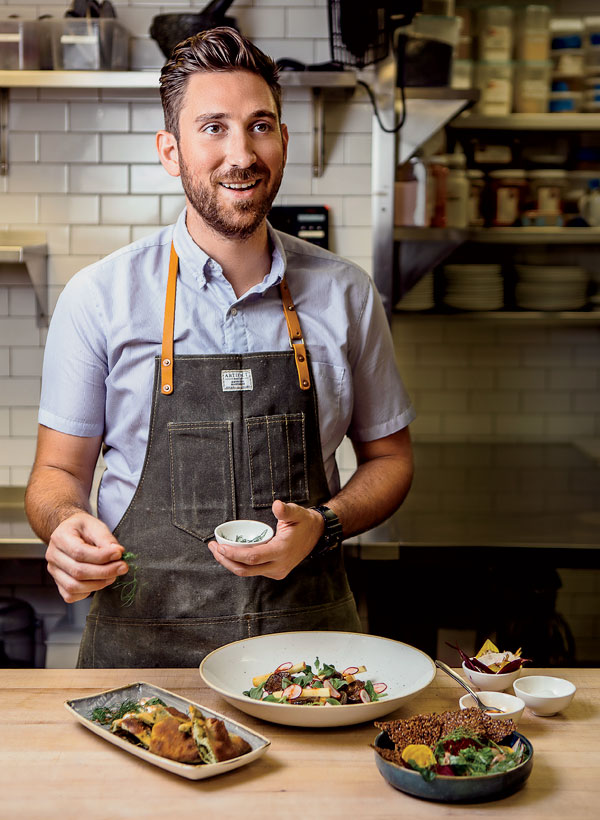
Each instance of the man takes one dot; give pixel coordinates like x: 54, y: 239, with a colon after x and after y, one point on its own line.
x: 207, y: 346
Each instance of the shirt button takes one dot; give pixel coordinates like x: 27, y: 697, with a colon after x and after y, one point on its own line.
x: 234, y: 311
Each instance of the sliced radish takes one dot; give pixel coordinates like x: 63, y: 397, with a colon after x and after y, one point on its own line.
x: 333, y: 692
x: 283, y: 667
x: 351, y: 670
x: 380, y: 687
x: 292, y: 692
x: 364, y: 696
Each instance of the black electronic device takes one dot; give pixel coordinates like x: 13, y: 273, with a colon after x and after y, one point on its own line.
x: 360, y: 33
x: 310, y: 222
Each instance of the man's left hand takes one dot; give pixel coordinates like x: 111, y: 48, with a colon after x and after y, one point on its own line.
x: 298, y: 530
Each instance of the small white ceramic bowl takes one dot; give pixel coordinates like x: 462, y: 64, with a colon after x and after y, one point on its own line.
x: 512, y: 707
x: 490, y: 682
x: 544, y: 695
x: 227, y: 532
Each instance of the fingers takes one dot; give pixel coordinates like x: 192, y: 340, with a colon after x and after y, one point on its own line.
x: 247, y: 561
x: 83, y: 556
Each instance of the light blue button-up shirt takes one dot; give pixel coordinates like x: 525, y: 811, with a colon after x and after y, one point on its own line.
x: 107, y: 329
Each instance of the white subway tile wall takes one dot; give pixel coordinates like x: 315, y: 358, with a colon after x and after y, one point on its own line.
x: 83, y: 168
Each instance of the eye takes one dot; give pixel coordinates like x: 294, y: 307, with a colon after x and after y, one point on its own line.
x: 213, y: 128
x: 262, y: 127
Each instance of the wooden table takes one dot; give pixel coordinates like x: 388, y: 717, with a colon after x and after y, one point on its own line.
x: 52, y: 767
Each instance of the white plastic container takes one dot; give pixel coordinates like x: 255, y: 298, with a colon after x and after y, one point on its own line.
x: 547, y: 188
x: 495, y: 33
x: 532, y: 87
x: 565, y: 102
x: 463, y: 74
x: 20, y: 45
x: 533, y: 33
x: 567, y: 53
x: 495, y: 83
x: 98, y: 44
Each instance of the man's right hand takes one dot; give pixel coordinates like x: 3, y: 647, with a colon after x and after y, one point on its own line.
x: 83, y: 556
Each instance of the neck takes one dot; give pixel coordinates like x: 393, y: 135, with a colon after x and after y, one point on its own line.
x: 245, y: 262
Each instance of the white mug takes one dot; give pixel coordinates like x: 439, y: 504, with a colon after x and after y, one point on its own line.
x: 589, y: 207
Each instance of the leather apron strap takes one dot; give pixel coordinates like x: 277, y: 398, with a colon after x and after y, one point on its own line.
x: 166, y: 358
x: 291, y: 317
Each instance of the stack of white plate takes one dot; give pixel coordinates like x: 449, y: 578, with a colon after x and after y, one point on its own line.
x: 420, y: 296
x: 551, y: 287
x: 474, y: 287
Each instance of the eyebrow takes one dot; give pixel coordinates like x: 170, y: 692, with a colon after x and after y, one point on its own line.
x: 221, y: 115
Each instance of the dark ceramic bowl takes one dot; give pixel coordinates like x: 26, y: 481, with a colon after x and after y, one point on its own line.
x: 170, y: 29
x: 446, y: 789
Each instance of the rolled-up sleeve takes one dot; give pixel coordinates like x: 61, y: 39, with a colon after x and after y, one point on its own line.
x: 75, y: 364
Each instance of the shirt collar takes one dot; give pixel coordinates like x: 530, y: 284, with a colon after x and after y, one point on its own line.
x: 200, y: 265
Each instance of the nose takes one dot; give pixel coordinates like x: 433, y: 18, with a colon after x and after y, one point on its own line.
x: 240, y: 150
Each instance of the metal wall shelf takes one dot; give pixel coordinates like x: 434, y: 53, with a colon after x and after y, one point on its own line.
x: 427, y: 111
x: 29, y: 248
x: 513, y: 317
x: 508, y: 236
x: 529, y: 122
x: 317, y: 81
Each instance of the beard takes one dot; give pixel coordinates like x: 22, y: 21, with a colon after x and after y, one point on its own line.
x: 237, y: 220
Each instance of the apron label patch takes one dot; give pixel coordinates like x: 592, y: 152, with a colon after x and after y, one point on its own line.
x: 236, y: 380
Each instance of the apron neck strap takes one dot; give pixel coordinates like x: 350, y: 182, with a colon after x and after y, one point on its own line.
x: 295, y: 334
x: 166, y: 358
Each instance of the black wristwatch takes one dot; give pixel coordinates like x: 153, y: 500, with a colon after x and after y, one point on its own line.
x: 332, y: 534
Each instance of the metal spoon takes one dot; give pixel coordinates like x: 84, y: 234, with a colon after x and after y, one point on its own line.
x: 441, y: 665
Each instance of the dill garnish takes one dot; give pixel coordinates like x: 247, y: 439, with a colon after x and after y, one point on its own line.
x: 241, y: 540
x: 106, y: 714
x: 128, y: 585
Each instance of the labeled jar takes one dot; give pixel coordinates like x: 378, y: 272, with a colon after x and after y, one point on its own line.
x: 476, y: 182
x: 509, y: 192
x: 457, y: 192
x: 437, y: 175
x: 532, y: 87
x: 567, y: 51
x: 533, y: 33
x: 495, y: 83
x: 547, y: 188
x: 495, y: 33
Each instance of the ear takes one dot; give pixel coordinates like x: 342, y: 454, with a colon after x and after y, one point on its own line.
x: 285, y: 138
x: 168, y: 153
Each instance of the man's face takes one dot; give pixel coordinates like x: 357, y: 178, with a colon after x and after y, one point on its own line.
x: 231, y: 150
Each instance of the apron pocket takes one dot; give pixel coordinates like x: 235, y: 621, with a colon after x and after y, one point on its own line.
x: 202, y: 478
x: 277, y: 457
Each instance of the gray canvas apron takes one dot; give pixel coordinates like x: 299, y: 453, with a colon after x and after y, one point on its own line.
x: 228, y: 435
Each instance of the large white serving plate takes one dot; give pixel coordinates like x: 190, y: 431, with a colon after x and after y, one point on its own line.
x: 81, y: 708
x: 230, y: 669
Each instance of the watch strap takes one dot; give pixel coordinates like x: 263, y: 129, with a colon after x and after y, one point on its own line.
x: 332, y: 535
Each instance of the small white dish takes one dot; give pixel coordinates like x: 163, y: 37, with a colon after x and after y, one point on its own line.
x: 545, y: 695
x: 491, y: 682
x: 232, y: 533
x: 512, y: 707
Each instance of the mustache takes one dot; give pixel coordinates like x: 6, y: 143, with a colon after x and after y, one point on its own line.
x: 238, y: 175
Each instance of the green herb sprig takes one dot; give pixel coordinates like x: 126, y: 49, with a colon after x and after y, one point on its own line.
x: 128, y: 586
x: 106, y: 714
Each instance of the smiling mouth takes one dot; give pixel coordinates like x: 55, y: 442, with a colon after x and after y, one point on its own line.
x: 240, y: 186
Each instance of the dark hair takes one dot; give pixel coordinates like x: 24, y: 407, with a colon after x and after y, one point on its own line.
x: 217, y: 49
